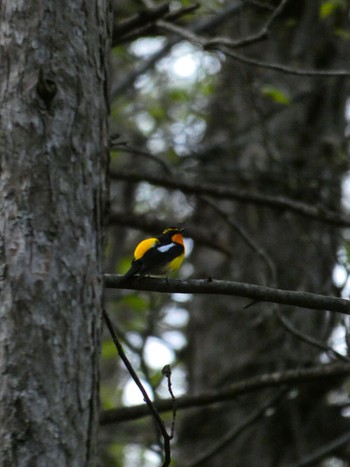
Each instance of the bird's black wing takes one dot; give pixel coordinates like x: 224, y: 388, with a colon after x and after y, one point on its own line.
x: 158, y: 256
x: 134, y: 269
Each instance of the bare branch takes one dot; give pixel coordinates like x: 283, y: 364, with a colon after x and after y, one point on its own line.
x: 203, y: 25
x: 220, y: 41
x: 224, y: 192
x: 256, y: 383
x: 233, y: 434
x: 323, y: 451
x: 309, y: 339
x: 143, y: 23
x: 143, y: 18
x: 175, y: 15
x: 281, y: 68
x: 264, y: 5
x: 209, y: 286
x: 166, y: 371
x: 150, y: 405
x: 125, y: 147
x: 225, y: 46
x: 246, y: 238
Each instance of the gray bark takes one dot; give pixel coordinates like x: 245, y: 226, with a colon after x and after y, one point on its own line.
x: 54, y: 140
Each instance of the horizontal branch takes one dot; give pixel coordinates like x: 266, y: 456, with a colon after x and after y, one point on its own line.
x: 243, y: 387
x: 236, y: 430
x: 323, y: 452
x: 130, y: 30
x: 224, y: 45
x: 203, y: 25
x: 237, y: 289
x: 279, y: 67
x: 142, y: 18
x: 225, y: 192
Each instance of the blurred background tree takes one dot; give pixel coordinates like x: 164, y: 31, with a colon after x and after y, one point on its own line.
x: 264, y: 112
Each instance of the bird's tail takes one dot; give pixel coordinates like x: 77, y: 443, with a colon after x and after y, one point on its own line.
x: 135, y: 269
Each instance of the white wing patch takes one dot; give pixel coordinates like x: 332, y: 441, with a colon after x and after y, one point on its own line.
x: 165, y: 248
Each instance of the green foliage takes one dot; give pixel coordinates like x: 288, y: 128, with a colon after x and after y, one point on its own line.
x: 342, y: 34
x: 108, y: 350
x: 329, y: 7
x: 178, y: 95
x: 108, y: 396
x: 346, y: 247
x: 136, y: 302
x: 155, y: 379
x: 114, y: 451
x: 275, y: 94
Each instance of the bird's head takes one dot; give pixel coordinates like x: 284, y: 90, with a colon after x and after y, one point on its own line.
x: 173, y: 230
x: 174, y: 234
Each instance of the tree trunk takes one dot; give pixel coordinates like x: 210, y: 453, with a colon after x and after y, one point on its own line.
x: 54, y: 141
x: 295, y: 152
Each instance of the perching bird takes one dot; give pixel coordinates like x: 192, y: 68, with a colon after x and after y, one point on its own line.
x: 163, y: 254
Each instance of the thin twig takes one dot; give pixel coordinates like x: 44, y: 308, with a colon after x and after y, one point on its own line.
x: 143, y: 23
x: 234, y: 433
x: 323, y: 452
x: 139, y: 152
x: 265, y: 6
x: 143, y: 18
x: 309, y: 339
x: 175, y: 15
x: 226, y: 45
x: 204, y: 25
x: 247, y: 239
x: 281, y: 68
x: 223, y: 41
x: 151, y: 407
x: 166, y: 371
x: 262, y: 34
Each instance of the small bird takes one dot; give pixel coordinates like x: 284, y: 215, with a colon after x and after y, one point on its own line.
x: 163, y: 254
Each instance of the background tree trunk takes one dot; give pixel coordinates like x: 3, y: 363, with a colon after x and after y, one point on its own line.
x: 54, y: 139
x: 296, y: 152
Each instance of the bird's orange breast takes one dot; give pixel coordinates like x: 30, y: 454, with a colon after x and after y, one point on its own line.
x: 178, y: 238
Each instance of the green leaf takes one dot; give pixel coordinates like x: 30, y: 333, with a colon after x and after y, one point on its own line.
x: 347, y: 250
x: 207, y: 87
x: 108, y: 350
x: 124, y: 265
x: 343, y: 34
x: 330, y: 6
x: 178, y: 95
x: 157, y: 112
x: 156, y: 379
x: 275, y: 94
x: 136, y: 302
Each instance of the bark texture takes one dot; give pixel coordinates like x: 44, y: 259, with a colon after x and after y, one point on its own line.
x: 53, y: 146
x: 296, y: 152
